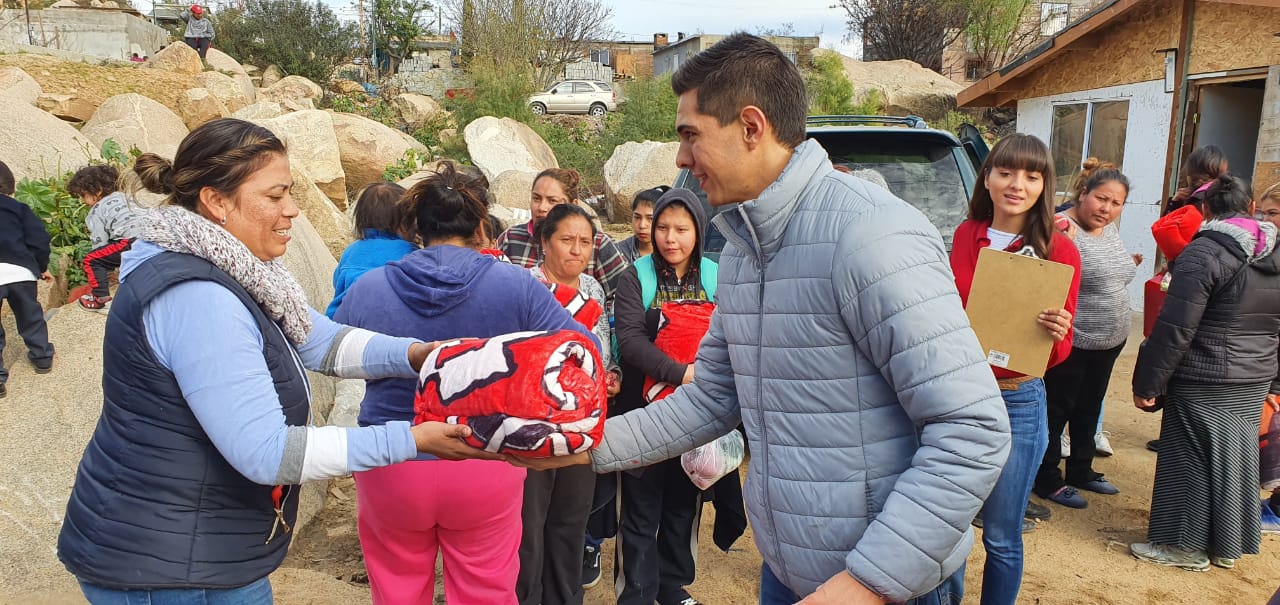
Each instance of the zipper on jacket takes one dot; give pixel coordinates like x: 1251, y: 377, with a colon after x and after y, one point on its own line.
x: 764, y: 431
x: 279, y: 497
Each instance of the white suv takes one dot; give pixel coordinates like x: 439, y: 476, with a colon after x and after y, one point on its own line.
x: 575, y: 96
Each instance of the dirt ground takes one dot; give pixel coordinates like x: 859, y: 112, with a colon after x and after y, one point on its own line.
x: 1079, y: 557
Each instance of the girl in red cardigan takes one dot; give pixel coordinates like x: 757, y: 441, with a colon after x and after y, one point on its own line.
x: 1011, y: 210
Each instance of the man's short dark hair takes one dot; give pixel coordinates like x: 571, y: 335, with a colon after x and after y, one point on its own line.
x: 744, y: 70
x: 7, y: 184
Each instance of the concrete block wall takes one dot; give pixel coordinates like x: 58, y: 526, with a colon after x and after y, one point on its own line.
x: 99, y: 33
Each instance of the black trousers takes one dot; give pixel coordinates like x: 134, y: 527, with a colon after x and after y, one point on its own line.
x: 200, y: 45
x: 656, y: 555
x: 29, y: 317
x: 1074, y: 391
x: 554, y: 519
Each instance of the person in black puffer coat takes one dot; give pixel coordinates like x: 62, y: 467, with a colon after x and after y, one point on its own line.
x: 1212, y: 358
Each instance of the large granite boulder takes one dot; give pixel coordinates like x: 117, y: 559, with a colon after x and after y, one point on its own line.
x: 35, y: 144
x: 176, y: 57
x: 634, y: 167
x: 368, y: 147
x: 270, y: 76
x: 415, y: 110
x: 906, y: 87
x: 18, y: 86
x: 133, y: 120
x: 198, y: 105
x: 313, y: 145
x: 512, y: 188
x: 498, y: 145
x: 225, y: 88
x: 332, y: 226
x: 262, y: 110
x: 68, y: 107
x: 291, y: 88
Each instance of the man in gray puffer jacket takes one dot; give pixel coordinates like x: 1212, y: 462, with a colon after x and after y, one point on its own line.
x: 875, y: 426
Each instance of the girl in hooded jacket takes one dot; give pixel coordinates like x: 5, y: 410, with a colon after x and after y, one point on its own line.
x: 659, y: 505
x: 1011, y: 211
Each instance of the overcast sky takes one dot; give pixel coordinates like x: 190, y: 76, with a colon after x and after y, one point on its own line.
x: 641, y: 19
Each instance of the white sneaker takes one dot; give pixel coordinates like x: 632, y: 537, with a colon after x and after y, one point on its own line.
x: 1066, y: 446
x: 1102, y: 445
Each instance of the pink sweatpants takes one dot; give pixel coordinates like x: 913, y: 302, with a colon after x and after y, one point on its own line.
x: 468, y: 509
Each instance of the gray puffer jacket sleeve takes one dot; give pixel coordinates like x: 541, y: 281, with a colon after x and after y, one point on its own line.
x: 695, y: 414
x: 898, y: 298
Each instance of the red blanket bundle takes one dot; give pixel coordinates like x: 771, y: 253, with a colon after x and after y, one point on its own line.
x: 584, y: 309
x: 532, y: 394
x: 681, y: 326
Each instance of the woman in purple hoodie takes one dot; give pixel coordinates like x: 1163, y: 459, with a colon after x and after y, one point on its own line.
x: 468, y: 509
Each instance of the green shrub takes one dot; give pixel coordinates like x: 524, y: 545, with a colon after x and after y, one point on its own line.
x: 869, y: 103
x: 578, y: 147
x: 648, y: 113
x: 830, y: 92
x: 498, y: 92
x: 303, y: 38
x: 405, y: 166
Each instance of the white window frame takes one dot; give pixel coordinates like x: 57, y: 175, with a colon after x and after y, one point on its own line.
x: 1089, y: 104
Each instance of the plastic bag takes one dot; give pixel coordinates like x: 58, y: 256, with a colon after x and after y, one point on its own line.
x: 709, y: 463
x: 532, y: 394
x: 680, y: 330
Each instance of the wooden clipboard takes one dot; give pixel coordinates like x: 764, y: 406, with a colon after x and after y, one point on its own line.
x: 1009, y: 291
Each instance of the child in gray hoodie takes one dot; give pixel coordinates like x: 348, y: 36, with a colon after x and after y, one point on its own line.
x: 113, y: 224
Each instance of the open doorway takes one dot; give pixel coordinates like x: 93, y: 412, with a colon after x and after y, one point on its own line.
x: 1229, y: 115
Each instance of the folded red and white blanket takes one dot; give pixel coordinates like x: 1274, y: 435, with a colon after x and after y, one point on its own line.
x: 681, y: 326
x: 584, y: 309
x: 533, y: 394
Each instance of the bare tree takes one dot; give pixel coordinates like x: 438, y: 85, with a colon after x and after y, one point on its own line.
x: 568, y: 31
x: 997, y: 31
x: 541, y: 36
x: 918, y: 30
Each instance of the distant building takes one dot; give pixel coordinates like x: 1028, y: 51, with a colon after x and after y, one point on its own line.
x: 963, y: 63
x: 669, y: 57
x: 99, y: 28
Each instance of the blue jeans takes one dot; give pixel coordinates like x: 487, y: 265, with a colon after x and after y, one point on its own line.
x: 1002, y: 513
x: 257, y: 593
x: 950, y: 592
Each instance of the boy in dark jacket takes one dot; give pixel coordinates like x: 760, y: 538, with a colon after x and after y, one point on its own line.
x: 24, y: 254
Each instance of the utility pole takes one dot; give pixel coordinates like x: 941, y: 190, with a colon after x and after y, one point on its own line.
x: 360, y: 12
x: 31, y: 34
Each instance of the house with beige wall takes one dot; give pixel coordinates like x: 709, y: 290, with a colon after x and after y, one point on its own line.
x: 1144, y: 82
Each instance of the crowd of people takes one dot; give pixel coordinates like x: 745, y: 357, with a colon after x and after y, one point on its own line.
x: 878, y: 430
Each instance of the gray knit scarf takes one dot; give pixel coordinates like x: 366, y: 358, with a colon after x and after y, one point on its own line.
x: 270, y: 284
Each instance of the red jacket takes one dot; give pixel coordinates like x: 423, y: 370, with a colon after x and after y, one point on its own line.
x: 971, y: 236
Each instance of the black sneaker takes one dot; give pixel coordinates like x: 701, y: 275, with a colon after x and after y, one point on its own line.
x: 1038, y: 512
x: 1028, y: 525
x: 1154, y: 445
x: 43, y: 366
x: 3, y: 390
x: 590, y: 566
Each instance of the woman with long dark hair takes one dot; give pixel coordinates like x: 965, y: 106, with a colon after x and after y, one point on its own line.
x: 1011, y: 210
